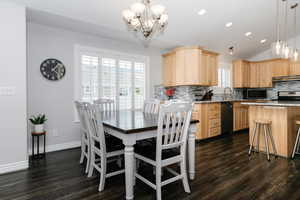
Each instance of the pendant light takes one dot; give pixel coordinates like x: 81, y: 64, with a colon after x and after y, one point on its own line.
x: 285, y: 49
x: 277, y: 45
x: 294, y: 55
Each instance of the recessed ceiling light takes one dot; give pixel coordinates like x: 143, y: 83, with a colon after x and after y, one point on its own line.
x: 202, y: 12
x: 248, y: 34
x: 228, y: 24
x: 263, y: 41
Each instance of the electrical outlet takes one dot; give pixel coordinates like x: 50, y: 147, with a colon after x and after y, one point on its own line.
x: 7, y: 91
x: 55, y: 133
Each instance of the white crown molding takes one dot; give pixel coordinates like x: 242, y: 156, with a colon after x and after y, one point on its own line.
x: 12, y: 167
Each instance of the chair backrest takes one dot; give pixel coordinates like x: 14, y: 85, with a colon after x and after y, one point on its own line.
x: 106, y: 104
x: 95, y: 125
x: 173, y: 124
x: 151, y: 106
x: 80, y: 107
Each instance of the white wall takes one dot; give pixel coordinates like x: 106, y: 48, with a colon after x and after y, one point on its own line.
x: 55, y: 99
x: 13, y: 123
x: 268, y: 54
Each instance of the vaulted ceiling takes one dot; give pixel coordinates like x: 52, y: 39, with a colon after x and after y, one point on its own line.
x: 186, y: 27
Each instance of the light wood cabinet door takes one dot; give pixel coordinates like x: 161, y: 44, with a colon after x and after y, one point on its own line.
x: 254, y: 75
x: 192, y: 62
x: 213, y: 70
x: 280, y: 67
x: 209, y: 116
x: 168, y: 70
x: 265, y: 74
x: 179, y: 67
x: 241, y: 74
x: 240, y: 116
x: 294, y: 68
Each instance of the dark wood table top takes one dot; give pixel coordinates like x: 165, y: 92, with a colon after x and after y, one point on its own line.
x: 135, y: 121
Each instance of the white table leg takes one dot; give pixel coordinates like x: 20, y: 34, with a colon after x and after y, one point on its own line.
x: 129, y: 173
x: 191, y: 152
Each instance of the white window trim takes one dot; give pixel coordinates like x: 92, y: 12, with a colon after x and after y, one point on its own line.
x: 78, y: 49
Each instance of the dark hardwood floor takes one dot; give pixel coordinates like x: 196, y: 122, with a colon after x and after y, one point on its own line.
x: 224, y: 171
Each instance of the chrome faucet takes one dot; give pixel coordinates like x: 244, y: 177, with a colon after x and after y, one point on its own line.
x: 228, y: 94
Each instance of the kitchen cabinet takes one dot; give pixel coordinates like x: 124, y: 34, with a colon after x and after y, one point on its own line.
x: 280, y: 67
x: 294, y: 68
x: 260, y: 75
x: 209, y: 115
x: 241, y: 74
x: 240, y: 116
x: 169, y: 69
x: 190, y: 66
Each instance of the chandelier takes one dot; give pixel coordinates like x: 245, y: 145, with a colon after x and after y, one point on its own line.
x: 146, y: 20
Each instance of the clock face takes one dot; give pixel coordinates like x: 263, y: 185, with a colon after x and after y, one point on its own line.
x: 53, y: 69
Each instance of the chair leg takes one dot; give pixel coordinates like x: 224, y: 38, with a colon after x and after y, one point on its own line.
x: 266, y: 142
x: 272, y: 140
x: 184, y: 174
x: 296, y: 143
x: 88, y: 159
x: 158, y: 183
x: 102, y: 174
x: 82, y: 150
x: 252, y: 140
x: 134, y: 171
x: 92, y: 162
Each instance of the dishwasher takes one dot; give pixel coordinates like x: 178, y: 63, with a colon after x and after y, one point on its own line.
x: 226, y: 118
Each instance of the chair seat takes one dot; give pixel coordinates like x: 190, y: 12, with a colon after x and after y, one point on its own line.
x: 112, y: 144
x: 149, y: 151
x: 263, y: 121
x: 297, y: 122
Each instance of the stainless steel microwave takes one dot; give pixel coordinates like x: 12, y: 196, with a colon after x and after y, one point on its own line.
x: 255, y: 94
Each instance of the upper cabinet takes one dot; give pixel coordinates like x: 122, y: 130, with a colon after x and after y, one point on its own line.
x: 241, y: 74
x: 190, y: 66
x: 280, y: 67
x: 259, y: 74
x: 294, y: 68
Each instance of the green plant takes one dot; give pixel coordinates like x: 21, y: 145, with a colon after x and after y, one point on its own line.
x: 39, y: 119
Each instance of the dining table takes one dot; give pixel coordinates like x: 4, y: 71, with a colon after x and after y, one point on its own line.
x: 131, y: 126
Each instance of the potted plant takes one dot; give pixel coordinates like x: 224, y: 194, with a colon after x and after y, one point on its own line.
x: 38, y: 122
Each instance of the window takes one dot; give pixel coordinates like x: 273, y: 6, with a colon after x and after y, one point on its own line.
x: 224, y: 74
x: 104, y: 74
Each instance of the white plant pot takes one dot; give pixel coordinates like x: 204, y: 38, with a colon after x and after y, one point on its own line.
x: 39, y: 128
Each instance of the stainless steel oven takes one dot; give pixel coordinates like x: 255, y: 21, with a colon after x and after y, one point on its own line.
x: 255, y: 94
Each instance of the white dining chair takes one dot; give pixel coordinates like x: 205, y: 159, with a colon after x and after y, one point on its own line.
x: 151, y: 106
x: 173, y: 124
x: 102, y: 151
x: 85, y: 137
x: 106, y: 104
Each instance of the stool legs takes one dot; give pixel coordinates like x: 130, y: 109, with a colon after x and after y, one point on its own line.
x: 267, y: 136
x: 266, y: 142
x: 252, y: 140
x: 296, y: 146
x: 272, y: 140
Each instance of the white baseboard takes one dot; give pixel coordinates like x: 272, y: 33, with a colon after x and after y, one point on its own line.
x: 11, y: 167
x: 58, y: 147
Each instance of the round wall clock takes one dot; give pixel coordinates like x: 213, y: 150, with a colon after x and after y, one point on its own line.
x: 53, y: 69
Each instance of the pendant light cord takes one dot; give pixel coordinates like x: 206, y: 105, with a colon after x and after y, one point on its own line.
x: 278, y: 23
x: 286, y: 20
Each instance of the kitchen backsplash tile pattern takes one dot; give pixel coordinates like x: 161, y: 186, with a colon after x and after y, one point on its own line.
x: 196, y: 92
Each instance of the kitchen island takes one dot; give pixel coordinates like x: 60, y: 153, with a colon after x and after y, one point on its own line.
x: 283, y: 115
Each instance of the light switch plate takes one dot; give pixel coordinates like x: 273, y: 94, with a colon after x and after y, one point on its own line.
x: 7, y: 91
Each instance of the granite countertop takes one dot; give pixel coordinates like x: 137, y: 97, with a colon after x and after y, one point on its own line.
x: 230, y: 100
x: 274, y: 103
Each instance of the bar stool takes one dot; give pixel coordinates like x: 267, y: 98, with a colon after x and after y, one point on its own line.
x: 266, y: 126
x: 296, y: 146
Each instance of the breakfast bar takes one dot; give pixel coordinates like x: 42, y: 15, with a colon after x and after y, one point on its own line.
x: 282, y: 116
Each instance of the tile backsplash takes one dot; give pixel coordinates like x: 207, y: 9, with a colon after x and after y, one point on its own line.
x: 196, y: 92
